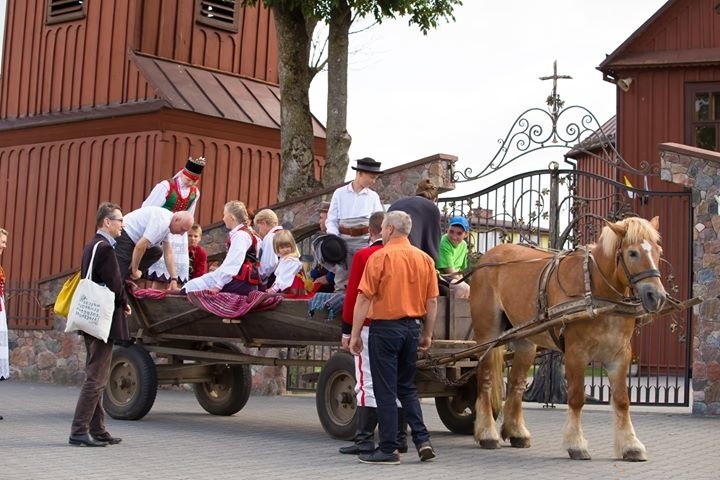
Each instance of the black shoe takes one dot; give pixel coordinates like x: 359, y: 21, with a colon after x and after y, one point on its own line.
x: 355, y: 449
x: 425, y: 451
x: 403, y: 448
x: 107, y: 438
x: 85, y: 440
x: 380, y: 458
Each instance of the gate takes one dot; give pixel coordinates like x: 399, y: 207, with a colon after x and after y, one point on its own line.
x: 564, y: 205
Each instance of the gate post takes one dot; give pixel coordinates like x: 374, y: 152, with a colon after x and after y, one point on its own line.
x: 554, y: 168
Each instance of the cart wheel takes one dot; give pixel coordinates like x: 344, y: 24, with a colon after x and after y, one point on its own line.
x: 457, y: 412
x: 132, y: 385
x: 335, y: 396
x: 228, y: 392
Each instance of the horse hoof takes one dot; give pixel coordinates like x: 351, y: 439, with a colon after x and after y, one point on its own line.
x: 579, y: 454
x: 518, y: 442
x: 634, y: 456
x: 489, y: 444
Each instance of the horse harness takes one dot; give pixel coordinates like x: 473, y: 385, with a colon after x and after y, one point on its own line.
x: 587, y: 302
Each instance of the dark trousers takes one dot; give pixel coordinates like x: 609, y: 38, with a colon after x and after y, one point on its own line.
x: 124, y: 251
x: 393, y: 356
x: 89, y: 413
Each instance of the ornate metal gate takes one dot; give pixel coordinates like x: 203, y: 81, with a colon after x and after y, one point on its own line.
x: 563, y: 205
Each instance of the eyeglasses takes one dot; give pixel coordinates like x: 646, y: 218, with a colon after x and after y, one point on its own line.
x: 116, y: 219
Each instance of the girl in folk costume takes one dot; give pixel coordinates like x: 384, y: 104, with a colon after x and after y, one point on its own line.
x: 4, y: 350
x: 238, y: 273
x: 289, y: 278
x: 176, y: 194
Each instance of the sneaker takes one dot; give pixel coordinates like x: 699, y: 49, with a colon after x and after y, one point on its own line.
x: 425, y: 451
x: 380, y: 458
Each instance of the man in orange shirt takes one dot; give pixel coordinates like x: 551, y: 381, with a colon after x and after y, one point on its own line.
x: 399, y: 292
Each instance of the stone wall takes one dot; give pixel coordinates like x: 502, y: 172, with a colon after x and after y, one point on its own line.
x: 699, y: 170
x: 55, y: 357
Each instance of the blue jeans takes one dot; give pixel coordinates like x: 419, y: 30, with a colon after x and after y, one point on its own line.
x: 393, y: 356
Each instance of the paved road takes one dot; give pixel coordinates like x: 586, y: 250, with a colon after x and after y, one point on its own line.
x: 281, y: 437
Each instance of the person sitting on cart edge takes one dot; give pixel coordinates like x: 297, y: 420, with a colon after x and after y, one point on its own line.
x: 453, y: 255
x: 238, y: 273
x: 88, y: 425
x: 266, y: 224
x: 144, y: 230
x: 403, y: 309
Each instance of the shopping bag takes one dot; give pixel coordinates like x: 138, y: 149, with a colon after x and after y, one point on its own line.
x: 62, y: 302
x: 92, y: 306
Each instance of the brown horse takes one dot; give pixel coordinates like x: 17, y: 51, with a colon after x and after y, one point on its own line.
x: 515, y: 285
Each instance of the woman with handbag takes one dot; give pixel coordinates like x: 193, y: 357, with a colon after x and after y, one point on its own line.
x: 4, y: 351
x: 100, y: 265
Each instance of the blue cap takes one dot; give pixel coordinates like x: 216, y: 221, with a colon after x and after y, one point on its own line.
x: 460, y: 222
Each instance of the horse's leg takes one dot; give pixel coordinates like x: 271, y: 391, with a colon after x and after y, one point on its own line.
x: 573, y: 438
x: 627, y: 445
x: 486, y: 434
x: 513, y: 426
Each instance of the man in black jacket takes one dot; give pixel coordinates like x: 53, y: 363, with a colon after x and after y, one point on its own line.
x: 88, y: 426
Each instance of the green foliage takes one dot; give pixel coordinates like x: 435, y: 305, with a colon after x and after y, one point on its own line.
x: 426, y: 14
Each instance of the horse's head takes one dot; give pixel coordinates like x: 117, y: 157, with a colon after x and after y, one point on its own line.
x: 636, y: 244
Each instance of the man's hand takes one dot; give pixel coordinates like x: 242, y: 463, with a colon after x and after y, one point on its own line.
x: 135, y: 274
x: 424, y: 343
x: 127, y: 310
x: 356, y: 345
x: 345, y: 343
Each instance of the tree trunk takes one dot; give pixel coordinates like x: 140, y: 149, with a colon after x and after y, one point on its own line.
x: 338, y: 139
x: 294, y: 33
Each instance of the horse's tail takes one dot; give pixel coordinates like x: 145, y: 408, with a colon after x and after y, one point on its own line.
x: 497, y: 361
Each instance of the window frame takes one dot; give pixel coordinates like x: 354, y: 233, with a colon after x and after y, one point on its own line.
x: 692, y: 89
x: 219, y: 24
x: 52, y: 19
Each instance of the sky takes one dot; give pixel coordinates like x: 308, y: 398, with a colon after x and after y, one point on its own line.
x: 459, y: 89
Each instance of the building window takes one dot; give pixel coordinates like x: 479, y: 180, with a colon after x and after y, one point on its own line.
x: 222, y: 14
x: 702, y: 114
x: 64, y: 10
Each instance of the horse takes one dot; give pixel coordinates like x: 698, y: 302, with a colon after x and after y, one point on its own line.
x: 516, y: 285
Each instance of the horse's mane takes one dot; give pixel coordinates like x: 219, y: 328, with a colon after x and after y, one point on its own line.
x: 637, y: 230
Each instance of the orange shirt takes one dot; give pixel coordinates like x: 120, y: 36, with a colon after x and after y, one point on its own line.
x: 398, y: 280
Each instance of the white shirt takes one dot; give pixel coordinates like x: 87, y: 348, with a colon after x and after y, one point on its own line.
x: 153, y: 223
x: 285, y: 272
x: 240, y: 241
x: 268, y: 258
x: 158, y: 195
x: 351, y: 209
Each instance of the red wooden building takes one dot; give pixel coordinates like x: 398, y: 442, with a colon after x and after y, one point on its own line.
x: 668, y: 78
x: 100, y: 100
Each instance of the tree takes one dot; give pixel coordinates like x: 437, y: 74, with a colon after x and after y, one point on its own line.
x: 295, y: 21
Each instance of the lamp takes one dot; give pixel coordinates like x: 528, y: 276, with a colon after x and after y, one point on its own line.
x: 624, y: 83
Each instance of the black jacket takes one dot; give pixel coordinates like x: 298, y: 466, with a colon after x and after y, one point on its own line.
x: 107, y: 272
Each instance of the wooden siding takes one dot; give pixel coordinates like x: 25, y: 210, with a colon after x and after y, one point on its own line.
x: 50, y: 213
x: 685, y: 25
x: 84, y: 63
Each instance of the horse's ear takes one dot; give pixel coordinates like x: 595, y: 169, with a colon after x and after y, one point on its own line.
x: 655, y: 222
x: 619, y: 229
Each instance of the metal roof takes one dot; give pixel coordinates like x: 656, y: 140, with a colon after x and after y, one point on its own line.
x: 214, y: 93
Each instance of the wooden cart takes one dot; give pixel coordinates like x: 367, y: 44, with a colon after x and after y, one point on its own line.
x: 178, y: 343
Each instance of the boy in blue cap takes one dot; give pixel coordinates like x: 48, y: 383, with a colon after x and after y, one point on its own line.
x: 452, y: 259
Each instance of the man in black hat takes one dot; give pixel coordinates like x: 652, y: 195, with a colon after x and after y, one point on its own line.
x: 350, y: 209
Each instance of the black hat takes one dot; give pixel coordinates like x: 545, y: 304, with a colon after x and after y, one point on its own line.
x: 194, y: 167
x: 332, y: 248
x: 367, y: 164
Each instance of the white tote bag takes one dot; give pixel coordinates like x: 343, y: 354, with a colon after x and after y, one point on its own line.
x: 92, y: 306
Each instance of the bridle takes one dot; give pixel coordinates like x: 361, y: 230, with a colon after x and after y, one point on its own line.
x: 633, y: 279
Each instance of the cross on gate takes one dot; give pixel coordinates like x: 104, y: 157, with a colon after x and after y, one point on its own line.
x: 554, y: 99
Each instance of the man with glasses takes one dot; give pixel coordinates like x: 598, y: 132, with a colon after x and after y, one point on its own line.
x: 88, y: 426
